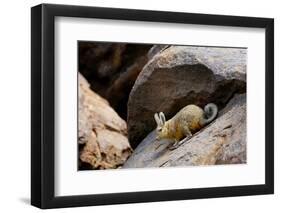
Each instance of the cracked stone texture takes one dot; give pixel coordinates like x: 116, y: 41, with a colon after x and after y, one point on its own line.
x: 102, y: 133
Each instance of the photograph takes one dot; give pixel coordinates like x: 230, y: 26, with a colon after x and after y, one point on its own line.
x: 138, y: 105
x: 160, y: 105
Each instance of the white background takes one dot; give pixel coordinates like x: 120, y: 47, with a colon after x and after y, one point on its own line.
x: 15, y: 106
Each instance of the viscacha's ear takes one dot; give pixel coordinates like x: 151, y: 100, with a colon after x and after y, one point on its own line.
x: 162, y: 117
x: 157, y: 119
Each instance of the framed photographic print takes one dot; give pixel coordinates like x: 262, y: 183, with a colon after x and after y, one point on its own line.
x: 139, y: 106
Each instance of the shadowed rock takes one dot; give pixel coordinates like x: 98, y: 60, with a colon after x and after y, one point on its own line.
x: 111, y: 69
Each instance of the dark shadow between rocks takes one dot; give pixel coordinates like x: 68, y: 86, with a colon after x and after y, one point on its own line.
x: 111, y: 69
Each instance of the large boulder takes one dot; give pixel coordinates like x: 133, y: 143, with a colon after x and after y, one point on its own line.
x: 180, y: 75
x: 102, y: 133
x: 221, y: 142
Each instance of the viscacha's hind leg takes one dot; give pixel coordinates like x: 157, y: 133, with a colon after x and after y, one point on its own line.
x: 186, y: 133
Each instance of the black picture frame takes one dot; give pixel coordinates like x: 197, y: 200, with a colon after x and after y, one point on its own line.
x: 43, y: 117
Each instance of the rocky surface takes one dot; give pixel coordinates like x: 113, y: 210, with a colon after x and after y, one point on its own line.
x: 176, y: 76
x: 221, y: 142
x: 132, y: 82
x: 112, y: 68
x: 102, y: 133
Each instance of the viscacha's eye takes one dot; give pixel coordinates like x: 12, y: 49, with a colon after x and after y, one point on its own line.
x: 159, y: 129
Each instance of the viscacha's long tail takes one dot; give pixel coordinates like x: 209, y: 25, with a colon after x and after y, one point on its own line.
x: 210, y: 113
